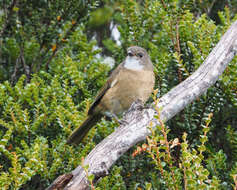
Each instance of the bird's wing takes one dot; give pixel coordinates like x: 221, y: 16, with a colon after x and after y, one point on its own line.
x: 105, y: 88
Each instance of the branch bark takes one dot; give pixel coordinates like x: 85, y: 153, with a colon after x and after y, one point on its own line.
x: 102, y: 157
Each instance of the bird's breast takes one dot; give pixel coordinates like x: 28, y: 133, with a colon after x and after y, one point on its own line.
x: 127, y: 87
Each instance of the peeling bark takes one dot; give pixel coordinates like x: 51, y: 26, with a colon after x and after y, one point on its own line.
x: 103, y: 156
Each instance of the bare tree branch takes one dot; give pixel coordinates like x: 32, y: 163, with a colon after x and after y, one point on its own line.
x: 103, y: 156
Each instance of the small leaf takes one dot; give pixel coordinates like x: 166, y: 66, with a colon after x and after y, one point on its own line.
x: 16, y: 9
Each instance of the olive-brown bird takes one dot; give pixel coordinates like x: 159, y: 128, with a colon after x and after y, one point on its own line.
x: 133, y: 79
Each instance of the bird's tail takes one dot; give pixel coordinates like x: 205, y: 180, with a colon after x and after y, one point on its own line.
x: 79, y: 133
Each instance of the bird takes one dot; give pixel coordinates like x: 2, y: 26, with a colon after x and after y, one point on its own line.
x: 131, y: 80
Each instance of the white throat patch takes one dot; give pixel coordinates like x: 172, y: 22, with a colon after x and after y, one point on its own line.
x: 133, y: 64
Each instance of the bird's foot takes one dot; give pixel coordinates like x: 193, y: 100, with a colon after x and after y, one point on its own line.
x: 111, y: 116
x: 119, y: 121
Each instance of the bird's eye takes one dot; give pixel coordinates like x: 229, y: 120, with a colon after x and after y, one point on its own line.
x: 130, y: 54
x: 140, y: 55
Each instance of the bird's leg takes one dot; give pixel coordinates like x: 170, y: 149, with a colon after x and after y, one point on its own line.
x: 110, y: 116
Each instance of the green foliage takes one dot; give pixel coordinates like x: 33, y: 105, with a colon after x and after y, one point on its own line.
x: 113, y: 183
x: 51, y: 67
x: 189, y: 170
x: 37, y: 29
x: 37, y: 117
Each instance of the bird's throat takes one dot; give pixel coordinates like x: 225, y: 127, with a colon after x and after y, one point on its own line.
x: 133, y: 64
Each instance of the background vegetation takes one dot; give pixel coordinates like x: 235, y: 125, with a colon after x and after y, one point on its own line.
x: 53, y: 61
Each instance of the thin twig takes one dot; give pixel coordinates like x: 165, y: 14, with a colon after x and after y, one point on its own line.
x: 26, y: 67
x: 16, y: 68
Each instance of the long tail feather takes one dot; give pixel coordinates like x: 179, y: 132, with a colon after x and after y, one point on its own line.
x: 79, y: 133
